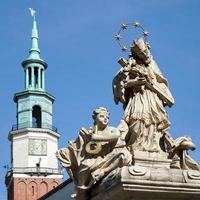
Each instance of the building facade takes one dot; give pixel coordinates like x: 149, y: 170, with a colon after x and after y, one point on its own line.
x: 34, y: 140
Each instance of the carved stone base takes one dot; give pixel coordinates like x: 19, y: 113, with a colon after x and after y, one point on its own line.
x: 149, y: 159
x: 148, y: 183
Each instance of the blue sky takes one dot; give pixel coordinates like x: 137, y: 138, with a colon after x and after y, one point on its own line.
x: 76, y: 40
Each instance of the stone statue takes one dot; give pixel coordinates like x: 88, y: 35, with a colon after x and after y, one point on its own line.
x: 96, y: 152
x: 140, y: 151
x: 144, y: 92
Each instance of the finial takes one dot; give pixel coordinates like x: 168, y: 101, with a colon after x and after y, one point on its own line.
x: 34, y: 51
x: 33, y: 12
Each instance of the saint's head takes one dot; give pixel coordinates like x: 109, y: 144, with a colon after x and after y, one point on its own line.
x: 140, y: 49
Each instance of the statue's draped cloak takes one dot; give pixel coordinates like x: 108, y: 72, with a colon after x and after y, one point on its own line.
x: 143, y: 109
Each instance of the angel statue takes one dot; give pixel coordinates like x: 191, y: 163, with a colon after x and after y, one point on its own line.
x: 143, y: 90
x: 95, y: 153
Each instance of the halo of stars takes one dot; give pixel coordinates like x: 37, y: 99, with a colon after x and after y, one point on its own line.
x: 124, y: 27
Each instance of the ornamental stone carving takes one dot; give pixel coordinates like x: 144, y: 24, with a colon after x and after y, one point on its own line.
x: 141, y: 149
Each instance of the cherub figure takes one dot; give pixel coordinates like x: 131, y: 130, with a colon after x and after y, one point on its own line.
x: 95, y: 153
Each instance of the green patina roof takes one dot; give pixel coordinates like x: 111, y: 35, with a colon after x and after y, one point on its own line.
x: 34, y: 52
x: 33, y: 92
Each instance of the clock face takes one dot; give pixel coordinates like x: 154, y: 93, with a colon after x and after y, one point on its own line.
x: 37, y: 147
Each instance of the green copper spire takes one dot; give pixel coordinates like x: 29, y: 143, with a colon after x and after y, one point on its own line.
x: 34, y: 52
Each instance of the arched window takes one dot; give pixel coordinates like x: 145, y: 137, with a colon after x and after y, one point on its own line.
x: 54, y: 184
x: 36, y: 117
x: 43, y: 188
x: 32, y: 191
x: 21, y: 190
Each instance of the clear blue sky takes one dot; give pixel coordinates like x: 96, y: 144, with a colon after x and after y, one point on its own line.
x: 76, y: 40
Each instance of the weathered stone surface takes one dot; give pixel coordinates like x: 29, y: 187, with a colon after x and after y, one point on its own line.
x: 148, y: 159
x: 139, y: 183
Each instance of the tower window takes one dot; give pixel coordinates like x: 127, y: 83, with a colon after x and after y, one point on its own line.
x: 42, y: 71
x: 36, y: 117
x: 36, y: 76
x: 29, y: 76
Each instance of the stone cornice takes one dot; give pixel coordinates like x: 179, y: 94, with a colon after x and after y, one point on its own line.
x: 31, y: 92
x: 32, y: 130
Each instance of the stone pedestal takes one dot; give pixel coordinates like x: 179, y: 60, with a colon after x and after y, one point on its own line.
x: 149, y: 179
x: 149, y: 159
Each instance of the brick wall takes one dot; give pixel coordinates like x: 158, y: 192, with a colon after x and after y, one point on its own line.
x: 31, y: 188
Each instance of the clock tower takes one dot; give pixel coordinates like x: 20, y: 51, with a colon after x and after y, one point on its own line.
x: 34, y: 140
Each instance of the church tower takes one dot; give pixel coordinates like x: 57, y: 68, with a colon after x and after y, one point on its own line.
x: 34, y: 140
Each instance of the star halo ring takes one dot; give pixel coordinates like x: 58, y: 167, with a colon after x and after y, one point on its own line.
x: 124, y: 27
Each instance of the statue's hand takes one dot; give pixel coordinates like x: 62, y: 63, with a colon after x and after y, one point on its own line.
x: 138, y: 81
x: 99, y: 176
